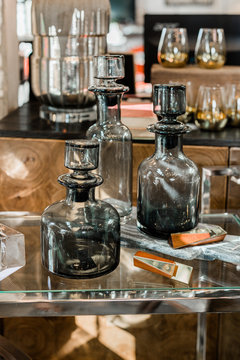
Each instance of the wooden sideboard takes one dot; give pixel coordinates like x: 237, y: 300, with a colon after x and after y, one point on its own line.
x: 29, y: 169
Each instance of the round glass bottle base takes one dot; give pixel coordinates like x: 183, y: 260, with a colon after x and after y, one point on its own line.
x: 68, y: 115
x: 161, y: 234
x: 85, y: 276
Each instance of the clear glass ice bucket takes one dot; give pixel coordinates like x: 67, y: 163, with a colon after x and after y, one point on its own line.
x: 66, y: 37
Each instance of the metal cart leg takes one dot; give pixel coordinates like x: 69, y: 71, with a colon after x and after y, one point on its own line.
x: 201, y: 336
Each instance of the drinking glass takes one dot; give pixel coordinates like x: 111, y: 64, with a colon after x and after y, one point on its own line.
x: 210, y: 50
x: 233, y: 103
x: 210, y: 108
x: 173, y: 47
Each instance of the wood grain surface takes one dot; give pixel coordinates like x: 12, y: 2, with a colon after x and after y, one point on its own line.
x: 9, y: 352
x: 157, y: 337
x: 29, y: 169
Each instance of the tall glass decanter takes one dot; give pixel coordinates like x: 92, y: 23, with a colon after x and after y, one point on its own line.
x: 168, y: 181
x: 80, y: 236
x: 115, y: 139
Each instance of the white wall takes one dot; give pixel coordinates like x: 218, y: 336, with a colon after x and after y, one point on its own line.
x: 10, y: 49
x: 160, y: 7
x: 9, y: 66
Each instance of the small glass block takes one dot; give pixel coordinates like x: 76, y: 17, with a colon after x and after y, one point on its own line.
x: 12, y: 254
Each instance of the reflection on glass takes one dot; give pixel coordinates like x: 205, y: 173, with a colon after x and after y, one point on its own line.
x: 233, y: 103
x: 210, y: 50
x: 210, y: 108
x: 173, y: 47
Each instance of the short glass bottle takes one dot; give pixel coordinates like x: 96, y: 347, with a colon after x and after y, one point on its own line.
x: 115, y: 139
x: 168, y: 181
x: 80, y: 236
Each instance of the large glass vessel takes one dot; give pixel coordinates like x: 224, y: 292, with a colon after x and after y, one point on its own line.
x: 115, y: 139
x: 80, y: 236
x: 168, y: 181
x: 67, y: 34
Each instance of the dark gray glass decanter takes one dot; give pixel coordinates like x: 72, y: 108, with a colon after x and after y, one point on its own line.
x: 168, y: 181
x: 115, y: 139
x: 80, y: 236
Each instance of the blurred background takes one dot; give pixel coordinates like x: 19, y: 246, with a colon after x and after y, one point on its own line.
x: 135, y: 30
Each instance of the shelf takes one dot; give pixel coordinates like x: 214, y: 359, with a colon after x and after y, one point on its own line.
x: 25, y: 123
x: 33, y: 291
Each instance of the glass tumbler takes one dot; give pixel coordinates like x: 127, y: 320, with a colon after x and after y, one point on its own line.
x: 233, y: 103
x: 210, y: 50
x: 210, y: 108
x: 173, y: 47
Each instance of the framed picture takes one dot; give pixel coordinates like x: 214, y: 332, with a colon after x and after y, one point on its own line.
x: 189, y: 2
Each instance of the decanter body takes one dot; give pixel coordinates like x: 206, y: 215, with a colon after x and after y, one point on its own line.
x: 115, y: 139
x: 168, y: 181
x: 80, y: 236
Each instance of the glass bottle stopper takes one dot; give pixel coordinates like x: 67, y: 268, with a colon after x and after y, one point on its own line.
x: 81, y: 156
x: 169, y: 101
x: 109, y: 67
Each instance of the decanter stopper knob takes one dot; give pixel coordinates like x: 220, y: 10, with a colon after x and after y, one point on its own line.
x: 169, y: 100
x: 81, y: 154
x: 109, y: 67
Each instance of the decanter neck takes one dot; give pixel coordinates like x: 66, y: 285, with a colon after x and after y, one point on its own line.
x: 168, y: 144
x: 108, y: 107
x: 80, y: 195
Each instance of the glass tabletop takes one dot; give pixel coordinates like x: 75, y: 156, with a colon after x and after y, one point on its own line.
x: 33, y: 291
